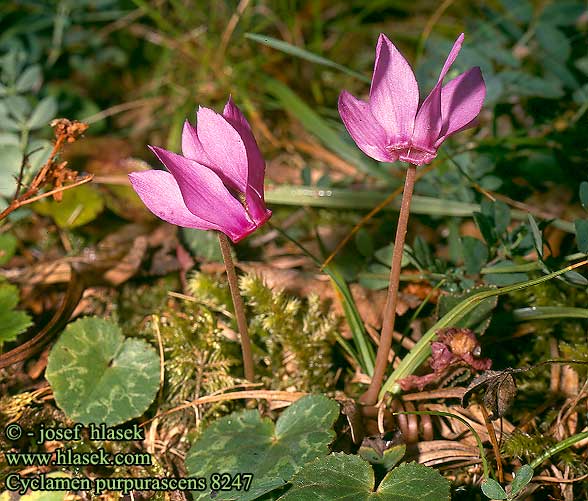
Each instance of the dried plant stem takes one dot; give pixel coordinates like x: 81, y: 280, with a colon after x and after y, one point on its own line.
x: 239, y: 306
x: 370, y: 397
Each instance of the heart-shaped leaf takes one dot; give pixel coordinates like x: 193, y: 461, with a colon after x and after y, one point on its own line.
x: 493, y: 490
x: 99, y: 376
x: 350, y: 478
x: 521, y: 479
x: 245, y: 443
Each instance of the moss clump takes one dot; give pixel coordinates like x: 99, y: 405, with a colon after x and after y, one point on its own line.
x: 293, y: 338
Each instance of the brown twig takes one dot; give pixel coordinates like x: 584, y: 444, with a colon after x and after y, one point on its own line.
x: 239, y: 307
x: 65, y: 132
x: 493, y: 441
x: 371, y: 395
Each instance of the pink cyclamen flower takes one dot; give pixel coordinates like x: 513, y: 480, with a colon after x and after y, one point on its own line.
x: 391, y: 125
x: 217, y: 182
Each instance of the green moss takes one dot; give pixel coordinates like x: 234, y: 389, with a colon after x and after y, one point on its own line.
x: 293, y: 338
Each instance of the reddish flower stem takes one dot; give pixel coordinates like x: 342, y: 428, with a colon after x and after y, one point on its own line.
x: 370, y: 397
x: 239, y: 307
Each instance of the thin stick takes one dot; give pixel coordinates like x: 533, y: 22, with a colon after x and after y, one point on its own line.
x: 239, y: 307
x: 371, y: 395
x: 493, y: 441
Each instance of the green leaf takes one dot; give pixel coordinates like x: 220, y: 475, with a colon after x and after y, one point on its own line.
x: 349, y: 478
x: 537, y: 236
x: 12, y: 323
x: 8, y: 244
x: 501, y: 217
x: 553, y: 41
x: 563, y: 12
x: 10, y: 161
x: 521, y: 10
x: 486, y: 227
x: 18, y: 107
x: 582, y: 234
x: 388, y: 460
x: 475, y: 254
x: 526, y: 85
x: 202, y: 244
x: 584, y: 194
x: 364, y: 242
x: 79, y: 206
x: 492, y: 489
x: 99, y: 376
x: 384, y: 256
x: 521, y: 479
x: 478, y: 319
x: 243, y: 442
x: 29, y: 79
x: 43, y: 113
x: 292, y: 50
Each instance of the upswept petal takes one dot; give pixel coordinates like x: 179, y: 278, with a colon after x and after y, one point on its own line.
x: 461, y: 101
x: 429, y: 119
x: 191, y: 146
x: 256, y: 171
x: 365, y: 130
x: 160, y: 192
x: 205, y: 195
x: 394, y: 93
x: 225, y: 148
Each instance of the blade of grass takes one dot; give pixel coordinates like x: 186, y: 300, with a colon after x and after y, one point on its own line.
x: 338, y: 198
x: 545, y: 312
x: 301, y: 53
x: 317, y: 126
x: 365, y: 358
x: 421, y: 351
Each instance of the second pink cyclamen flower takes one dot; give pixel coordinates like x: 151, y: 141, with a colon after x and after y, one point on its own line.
x: 391, y: 125
x: 217, y: 182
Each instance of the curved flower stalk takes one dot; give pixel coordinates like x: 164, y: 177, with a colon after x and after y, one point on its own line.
x: 216, y: 184
x: 391, y: 126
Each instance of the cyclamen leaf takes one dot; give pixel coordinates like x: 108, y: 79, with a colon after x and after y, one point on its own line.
x: 492, y: 489
x: 99, y: 376
x: 350, y: 478
x: 246, y: 443
x: 521, y: 479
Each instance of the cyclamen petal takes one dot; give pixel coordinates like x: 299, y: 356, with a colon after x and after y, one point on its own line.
x: 152, y: 184
x: 191, y: 146
x: 429, y: 119
x: 209, y: 186
x: 204, y: 193
x: 368, y: 134
x: 461, y: 102
x: 411, y: 133
x: 256, y: 163
x: 394, y: 93
x: 225, y: 148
